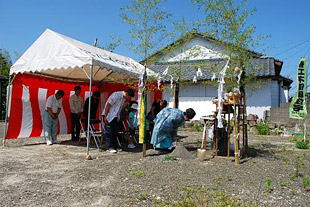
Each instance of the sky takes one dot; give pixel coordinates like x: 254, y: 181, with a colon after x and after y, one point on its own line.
x: 23, y: 21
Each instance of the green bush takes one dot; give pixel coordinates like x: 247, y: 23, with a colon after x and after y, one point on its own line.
x: 262, y: 128
x: 197, y: 127
x: 302, y: 145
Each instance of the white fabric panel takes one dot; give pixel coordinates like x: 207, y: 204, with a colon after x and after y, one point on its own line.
x: 7, y: 96
x: 87, y: 94
x: 71, y: 93
x: 62, y: 121
x: 27, y: 120
x: 42, y: 102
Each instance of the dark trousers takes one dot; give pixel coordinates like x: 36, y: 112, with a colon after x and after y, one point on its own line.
x: 75, y: 127
x: 114, y: 129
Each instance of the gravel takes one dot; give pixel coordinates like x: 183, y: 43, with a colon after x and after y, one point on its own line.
x: 34, y: 174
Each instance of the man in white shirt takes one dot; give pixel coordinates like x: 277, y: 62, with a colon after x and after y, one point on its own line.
x: 76, y: 107
x: 50, y: 117
x: 111, y: 115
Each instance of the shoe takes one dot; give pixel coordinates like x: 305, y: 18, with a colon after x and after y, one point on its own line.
x: 131, y: 146
x: 119, y: 149
x: 171, y: 148
x: 56, y: 142
x: 111, y: 150
x: 49, y: 143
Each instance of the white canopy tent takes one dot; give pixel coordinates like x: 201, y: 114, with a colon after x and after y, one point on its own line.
x: 59, y: 56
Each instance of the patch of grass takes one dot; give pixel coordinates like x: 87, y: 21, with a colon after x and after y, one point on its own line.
x: 189, y: 190
x: 299, y: 163
x: 138, y: 173
x: 229, y: 177
x: 283, y: 184
x: 143, y: 196
x: 302, y: 145
x: 284, y: 150
x: 293, y: 192
x: 129, y: 200
x: 262, y: 128
x: 268, y: 185
x: 306, y: 182
x: 197, y: 127
x: 218, y: 180
x: 286, y: 160
x: 292, y: 177
x: 170, y: 158
x: 199, y: 197
x: 293, y: 139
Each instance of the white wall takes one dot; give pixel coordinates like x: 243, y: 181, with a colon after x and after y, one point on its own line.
x: 202, y: 105
x: 199, y: 97
x: 211, y: 50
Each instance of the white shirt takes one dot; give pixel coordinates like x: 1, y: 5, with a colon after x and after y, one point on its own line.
x: 53, y: 103
x: 116, y: 100
x: 76, y: 104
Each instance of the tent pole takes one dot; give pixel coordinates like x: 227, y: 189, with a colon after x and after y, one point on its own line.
x: 88, y: 157
x: 6, y: 110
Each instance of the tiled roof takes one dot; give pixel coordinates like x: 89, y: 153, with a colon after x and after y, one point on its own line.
x: 265, y: 67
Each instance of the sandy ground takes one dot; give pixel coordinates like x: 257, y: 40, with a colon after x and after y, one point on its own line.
x: 34, y: 174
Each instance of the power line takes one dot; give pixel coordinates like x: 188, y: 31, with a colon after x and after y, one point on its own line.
x: 291, y: 48
x: 290, y: 44
x: 307, y: 51
x: 296, y: 53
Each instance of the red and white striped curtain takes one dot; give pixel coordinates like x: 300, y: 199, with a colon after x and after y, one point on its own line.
x: 29, y: 95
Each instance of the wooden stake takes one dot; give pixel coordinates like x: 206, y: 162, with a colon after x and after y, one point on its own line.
x: 144, y: 150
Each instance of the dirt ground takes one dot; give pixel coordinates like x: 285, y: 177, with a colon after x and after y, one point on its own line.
x: 34, y: 174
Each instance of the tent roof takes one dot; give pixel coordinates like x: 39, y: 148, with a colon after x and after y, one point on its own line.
x: 56, y: 55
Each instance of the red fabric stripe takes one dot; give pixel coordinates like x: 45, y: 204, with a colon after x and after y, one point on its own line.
x: 36, y: 114
x: 16, y: 112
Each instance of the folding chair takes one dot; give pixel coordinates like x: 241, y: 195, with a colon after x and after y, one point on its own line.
x: 95, y: 134
x: 121, y: 134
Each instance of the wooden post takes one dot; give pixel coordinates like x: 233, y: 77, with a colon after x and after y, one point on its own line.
x: 235, y: 137
x: 245, y: 124
x: 228, y: 131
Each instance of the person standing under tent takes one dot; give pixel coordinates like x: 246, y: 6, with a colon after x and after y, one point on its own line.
x: 76, y: 107
x: 50, y: 117
x: 166, y: 125
x: 95, y: 98
x: 111, y: 116
x: 132, y: 124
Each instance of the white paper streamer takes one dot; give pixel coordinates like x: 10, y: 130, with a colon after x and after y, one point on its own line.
x: 199, y: 72
x: 220, y: 95
x: 166, y: 71
x: 213, y: 77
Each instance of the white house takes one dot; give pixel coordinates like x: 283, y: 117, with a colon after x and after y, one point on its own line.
x: 197, y: 95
